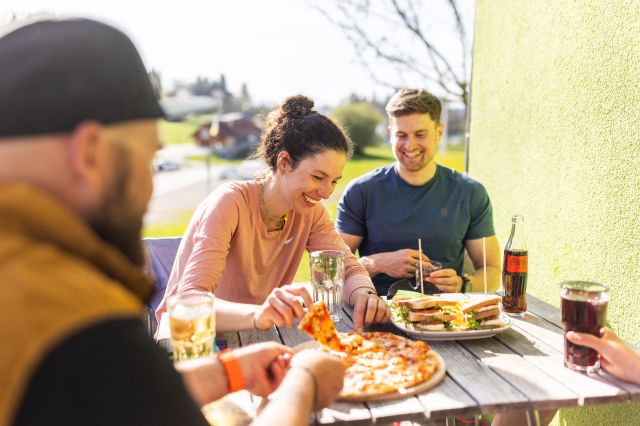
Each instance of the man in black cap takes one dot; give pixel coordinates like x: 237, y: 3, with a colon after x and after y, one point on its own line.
x: 77, y: 136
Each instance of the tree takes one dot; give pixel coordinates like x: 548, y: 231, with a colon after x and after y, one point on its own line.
x: 245, y: 97
x: 360, y: 121
x: 417, y: 49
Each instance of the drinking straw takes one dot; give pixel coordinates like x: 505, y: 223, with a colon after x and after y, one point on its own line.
x: 484, y: 263
x: 420, y: 265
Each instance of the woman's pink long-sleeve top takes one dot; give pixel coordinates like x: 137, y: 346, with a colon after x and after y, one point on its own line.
x: 227, y: 249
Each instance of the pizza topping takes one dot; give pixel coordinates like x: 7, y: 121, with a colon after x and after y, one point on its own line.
x: 318, y: 324
x: 383, y: 363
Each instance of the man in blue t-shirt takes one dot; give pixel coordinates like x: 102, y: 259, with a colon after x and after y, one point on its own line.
x: 383, y: 213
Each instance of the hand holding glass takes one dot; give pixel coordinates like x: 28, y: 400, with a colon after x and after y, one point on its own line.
x: 428, y: 267
x: 584, y: 309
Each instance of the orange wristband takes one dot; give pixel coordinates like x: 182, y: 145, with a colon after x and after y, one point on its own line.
x: 235, y: 379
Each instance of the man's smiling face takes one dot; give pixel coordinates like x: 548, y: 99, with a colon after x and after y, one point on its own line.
x: 414, y: 139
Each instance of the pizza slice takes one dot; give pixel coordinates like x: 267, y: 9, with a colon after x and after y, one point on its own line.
x: 318, y: 324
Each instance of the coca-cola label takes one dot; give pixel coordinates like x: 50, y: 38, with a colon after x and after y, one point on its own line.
x: 517, y: 263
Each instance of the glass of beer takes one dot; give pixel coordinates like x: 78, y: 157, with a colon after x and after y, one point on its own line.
x: 584, y: 309
x: 192, y: 320
x: 428, y: 266
x: 327, y: 279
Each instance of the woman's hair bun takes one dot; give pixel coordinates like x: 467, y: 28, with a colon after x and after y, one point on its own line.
x: 297, y: 106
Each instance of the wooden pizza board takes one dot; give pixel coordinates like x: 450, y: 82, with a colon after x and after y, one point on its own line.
x: 431, y: 382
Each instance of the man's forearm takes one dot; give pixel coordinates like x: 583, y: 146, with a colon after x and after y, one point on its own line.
x: 369, y: 263
x: 292, y: 403
x: 205, y: 379
x: 494, y: 279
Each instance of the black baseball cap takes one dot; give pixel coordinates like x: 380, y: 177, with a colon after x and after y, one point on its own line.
x: 56, y: 73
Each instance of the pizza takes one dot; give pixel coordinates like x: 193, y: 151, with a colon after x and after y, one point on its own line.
x: 377, y: 363
x: 318, y: 324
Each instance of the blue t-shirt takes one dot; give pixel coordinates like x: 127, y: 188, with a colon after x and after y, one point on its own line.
x: 391, y: 215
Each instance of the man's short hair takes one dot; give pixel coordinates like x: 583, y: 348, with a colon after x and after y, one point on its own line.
x: 412, y: 101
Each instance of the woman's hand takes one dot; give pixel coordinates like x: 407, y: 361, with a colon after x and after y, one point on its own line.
x: 615, y: 356
x: 368, y: 308
x: 283, y: 306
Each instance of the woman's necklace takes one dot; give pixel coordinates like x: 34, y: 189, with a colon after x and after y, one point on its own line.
x: 273, y: 223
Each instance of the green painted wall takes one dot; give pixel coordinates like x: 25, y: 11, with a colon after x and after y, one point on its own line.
x: 555, y: 136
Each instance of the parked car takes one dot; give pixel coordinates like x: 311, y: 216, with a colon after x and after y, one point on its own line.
x: 164, y: 165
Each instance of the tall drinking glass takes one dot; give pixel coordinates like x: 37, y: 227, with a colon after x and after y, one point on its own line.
x: 192, y: 319
x: 327, y: 279
x: 584, y: 309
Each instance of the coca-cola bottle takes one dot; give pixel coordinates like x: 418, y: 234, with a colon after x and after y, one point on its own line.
x: 515, y: 269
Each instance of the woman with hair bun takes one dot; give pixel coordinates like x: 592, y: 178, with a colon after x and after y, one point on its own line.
x: 245, y: 241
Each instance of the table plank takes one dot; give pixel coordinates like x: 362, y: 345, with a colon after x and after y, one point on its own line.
x: 292, y: 336
x: 542, y: 330
x: 492, y: 392
x: 542, y: 390
x: 248, y: 337
x: 231, y: 337
x: 589, y: 389
x: 632, y: 389
x: 448, y: 399
x: 341, y: 412
x: 544, y: 310
x: 398, y: 409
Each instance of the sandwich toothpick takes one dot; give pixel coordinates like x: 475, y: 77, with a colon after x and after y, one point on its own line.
x: 420, y: 265
x: 484, y: 263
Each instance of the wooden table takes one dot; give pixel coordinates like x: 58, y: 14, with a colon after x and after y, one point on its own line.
x: 520, y: 369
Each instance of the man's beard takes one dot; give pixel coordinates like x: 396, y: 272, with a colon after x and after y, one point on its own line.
x: 115, y: 221
x: 420, y: 166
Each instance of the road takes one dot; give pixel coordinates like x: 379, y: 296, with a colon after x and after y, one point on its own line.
x: 177, y: 193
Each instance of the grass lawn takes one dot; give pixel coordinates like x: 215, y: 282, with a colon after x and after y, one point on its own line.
x: 172, y: 133
x: 374, y: 157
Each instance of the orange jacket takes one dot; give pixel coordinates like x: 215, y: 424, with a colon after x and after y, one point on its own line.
x: 56, y: 278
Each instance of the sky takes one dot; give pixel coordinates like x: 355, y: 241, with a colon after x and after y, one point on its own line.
x: 277, y: 47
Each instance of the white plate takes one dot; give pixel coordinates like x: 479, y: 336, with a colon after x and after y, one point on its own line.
x: 454, y: 335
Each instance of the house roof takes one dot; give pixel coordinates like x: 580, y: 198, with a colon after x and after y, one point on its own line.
x: 236, y: 126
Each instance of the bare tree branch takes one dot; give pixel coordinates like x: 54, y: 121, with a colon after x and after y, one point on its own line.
x: 462, y: 35
x: 433, y: 52
x: 355, y: 16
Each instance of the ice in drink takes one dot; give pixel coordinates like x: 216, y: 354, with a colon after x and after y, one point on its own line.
x: 327, y: 279
x: 192, y: 322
